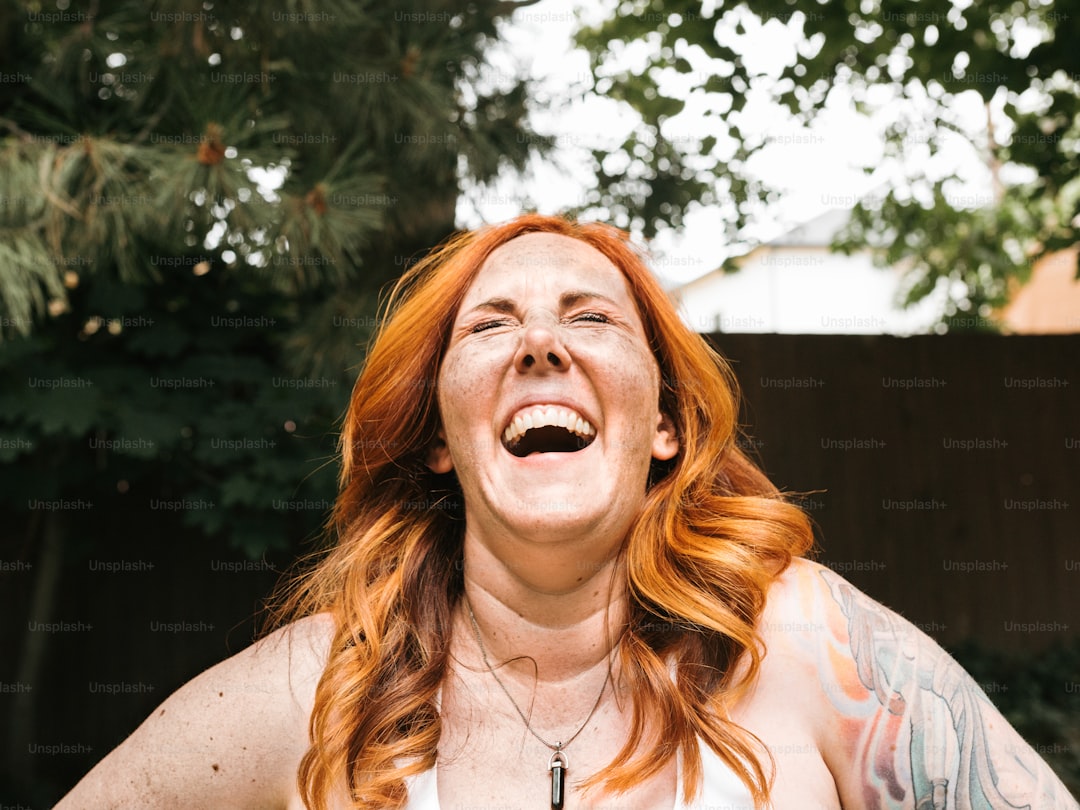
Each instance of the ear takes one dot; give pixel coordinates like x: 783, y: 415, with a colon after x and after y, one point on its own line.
x: 665, y: 443
x: 439, y: 459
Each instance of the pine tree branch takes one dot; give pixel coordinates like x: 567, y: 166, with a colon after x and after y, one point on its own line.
x: 155, y: 119
x: 43, y: 176
x: 15, y: 129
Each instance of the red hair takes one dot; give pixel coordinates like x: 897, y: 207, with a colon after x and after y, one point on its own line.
x: 712, y: 535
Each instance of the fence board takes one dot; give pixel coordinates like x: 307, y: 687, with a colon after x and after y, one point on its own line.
x: 950, y: 468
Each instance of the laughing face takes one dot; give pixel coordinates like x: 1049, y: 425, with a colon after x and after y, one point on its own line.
x: 549, y: 394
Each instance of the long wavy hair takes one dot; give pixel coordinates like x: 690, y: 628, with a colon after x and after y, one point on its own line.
x: 711, y: 536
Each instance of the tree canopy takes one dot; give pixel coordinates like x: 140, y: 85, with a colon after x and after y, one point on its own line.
x: 914, y: 69
x: 201, y: 204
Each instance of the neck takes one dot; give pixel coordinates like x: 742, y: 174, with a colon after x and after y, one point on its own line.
x: 548, y: 634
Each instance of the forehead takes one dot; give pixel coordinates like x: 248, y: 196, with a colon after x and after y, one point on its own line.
x: 535, y: 263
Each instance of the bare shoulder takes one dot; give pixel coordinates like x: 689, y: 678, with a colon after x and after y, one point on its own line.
x: 899, y: 723
x: 230, y: 738
x: 783, y: 708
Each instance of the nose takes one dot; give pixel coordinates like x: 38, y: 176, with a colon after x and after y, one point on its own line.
x: 541, y: 347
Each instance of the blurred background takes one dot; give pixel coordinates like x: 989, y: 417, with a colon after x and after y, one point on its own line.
x: 870, y: 207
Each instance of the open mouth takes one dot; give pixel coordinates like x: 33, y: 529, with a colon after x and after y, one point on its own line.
x: 547, y: 429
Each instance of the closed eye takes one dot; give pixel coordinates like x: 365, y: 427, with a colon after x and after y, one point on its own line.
x: 594, y: 317
x: 483, y: 326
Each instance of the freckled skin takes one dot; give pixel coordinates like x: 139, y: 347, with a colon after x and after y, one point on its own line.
x: 548, y: 320
x: 544, y: 341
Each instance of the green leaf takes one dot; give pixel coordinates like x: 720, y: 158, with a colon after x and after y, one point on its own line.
x: 70, y: 409
x: 240, y: 490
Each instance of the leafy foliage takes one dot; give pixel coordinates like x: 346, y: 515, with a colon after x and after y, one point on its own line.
x: 908, y: 64
x: 176, y: 408
x: 200, y: 206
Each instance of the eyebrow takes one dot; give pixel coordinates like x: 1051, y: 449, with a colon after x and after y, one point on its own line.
x: 566, y: 300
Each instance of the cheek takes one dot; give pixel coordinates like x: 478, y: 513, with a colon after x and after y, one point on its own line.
x: 634, y: 382
x: 640, y: 377
x: 463, y: 366
x: 632, y: 371
x: 465, y: 383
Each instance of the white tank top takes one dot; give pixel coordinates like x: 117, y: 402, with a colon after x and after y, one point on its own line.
x: 720, y: 789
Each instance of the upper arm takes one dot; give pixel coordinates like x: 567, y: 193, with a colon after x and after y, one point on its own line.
x: 904, y: 725
x: 230, y: 738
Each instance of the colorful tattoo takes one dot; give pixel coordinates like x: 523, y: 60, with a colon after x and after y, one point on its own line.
x: 939, y: 740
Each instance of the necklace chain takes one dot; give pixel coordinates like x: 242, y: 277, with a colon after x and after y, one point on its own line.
x: 557, y: 747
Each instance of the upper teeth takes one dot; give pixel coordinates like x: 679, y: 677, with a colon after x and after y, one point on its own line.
x: 536, y: 416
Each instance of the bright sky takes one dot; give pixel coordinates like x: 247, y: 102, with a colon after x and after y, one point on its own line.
x: 818, y: 173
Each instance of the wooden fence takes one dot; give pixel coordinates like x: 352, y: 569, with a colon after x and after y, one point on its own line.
x: 944, y: 472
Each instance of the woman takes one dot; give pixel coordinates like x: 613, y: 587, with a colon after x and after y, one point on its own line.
x: 559, y: 583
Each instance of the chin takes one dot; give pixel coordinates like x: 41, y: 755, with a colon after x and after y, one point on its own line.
x: 551, y: 516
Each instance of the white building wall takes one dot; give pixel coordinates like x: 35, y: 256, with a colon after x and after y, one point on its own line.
x: 802, y: 290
